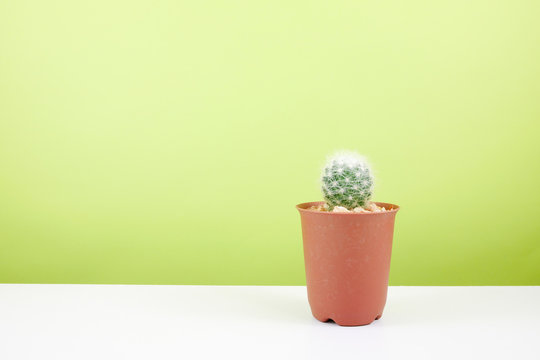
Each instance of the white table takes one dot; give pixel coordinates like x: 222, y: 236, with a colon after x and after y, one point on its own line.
x: 261, y: 322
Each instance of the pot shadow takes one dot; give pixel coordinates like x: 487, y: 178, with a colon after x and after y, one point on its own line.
x: 270, y: 303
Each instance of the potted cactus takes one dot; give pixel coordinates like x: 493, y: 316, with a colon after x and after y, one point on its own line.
x: 347, y: 244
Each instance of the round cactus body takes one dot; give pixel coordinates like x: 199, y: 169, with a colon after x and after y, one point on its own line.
x: 347, y: 181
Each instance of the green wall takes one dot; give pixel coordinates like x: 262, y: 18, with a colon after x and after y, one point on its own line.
x: 167, y: 142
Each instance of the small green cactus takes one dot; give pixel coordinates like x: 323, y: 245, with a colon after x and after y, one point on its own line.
x: 347, y: 181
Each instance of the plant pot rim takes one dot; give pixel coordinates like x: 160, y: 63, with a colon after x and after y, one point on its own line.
x: 390, y: 208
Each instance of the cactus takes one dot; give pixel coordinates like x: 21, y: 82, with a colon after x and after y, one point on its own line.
x: 347, y: 181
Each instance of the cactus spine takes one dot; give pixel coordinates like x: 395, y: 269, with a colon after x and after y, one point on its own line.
x: 347, y: 181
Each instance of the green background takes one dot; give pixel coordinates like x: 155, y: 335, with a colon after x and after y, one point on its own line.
x: 167, y: 142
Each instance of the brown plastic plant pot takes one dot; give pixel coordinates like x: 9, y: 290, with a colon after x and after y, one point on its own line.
x: 347, y: 259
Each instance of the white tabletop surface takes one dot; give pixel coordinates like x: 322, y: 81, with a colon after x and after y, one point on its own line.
x: 261, y: 322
